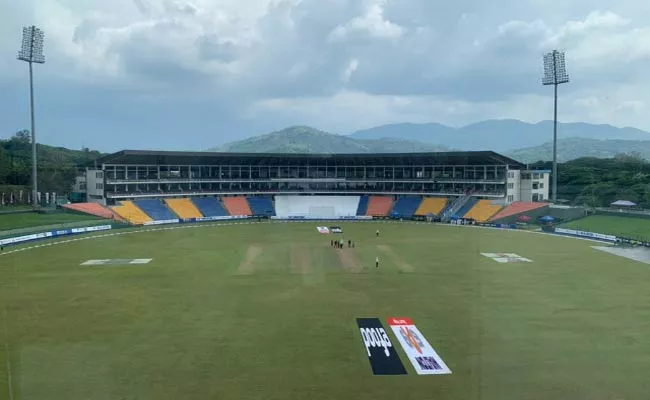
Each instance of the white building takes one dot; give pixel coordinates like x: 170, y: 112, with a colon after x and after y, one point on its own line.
x: 527, y: 185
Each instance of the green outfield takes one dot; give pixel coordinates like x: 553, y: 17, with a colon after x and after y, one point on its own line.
x: 34, y: 219
x: 268, y: 311
x: 630, y: 227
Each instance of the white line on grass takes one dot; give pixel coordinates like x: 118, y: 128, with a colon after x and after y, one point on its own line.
x: 8, y: 358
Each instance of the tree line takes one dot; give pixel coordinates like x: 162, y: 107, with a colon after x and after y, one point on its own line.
x: 598, y: 182
x: 57, y: 166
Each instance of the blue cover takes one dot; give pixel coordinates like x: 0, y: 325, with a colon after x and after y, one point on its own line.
x: 363, y: 205
x: 261, y: 205
x: 209, y: 206
x: 155, y: 209
x: 465, y: 209
x: 405, y: 207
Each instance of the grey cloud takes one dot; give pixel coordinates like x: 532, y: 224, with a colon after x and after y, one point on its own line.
x: 182, y: 63
x: 210, y: 48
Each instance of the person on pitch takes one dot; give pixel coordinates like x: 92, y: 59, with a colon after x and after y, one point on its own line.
x: 377, y: 232
x: 377, y: 262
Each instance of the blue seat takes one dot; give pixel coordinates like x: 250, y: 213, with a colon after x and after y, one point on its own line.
x: 405, y: 207
x: 363, y: 205
x: 209, y: 206
x: 156, y: 209
x: 261, y: 205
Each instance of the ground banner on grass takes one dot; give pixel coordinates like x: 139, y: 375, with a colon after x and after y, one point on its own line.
x: 383, y: 357
x: 128, y: 261
x: 506, y: 257
x: 336, y: 229
x: 323, y: 229
x: 424, y: 358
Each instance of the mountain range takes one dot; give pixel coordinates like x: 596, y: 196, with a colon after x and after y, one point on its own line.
x: 525, y: 142
x: 499, y: 135
x: 303, y: 139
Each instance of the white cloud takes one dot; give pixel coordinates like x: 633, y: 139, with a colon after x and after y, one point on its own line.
x: 349, y: 70
x: 372, y: 23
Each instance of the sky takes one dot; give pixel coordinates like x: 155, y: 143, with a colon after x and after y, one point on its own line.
x: 190, y: 75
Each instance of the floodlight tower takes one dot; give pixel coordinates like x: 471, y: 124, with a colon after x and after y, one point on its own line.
x: 554, y: 74
x: 32, y: 52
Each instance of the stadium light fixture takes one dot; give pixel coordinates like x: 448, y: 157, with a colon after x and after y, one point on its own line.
x: 554, y: 74
x: 32, y: 52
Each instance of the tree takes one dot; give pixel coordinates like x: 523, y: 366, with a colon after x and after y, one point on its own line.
x: 5, y: 165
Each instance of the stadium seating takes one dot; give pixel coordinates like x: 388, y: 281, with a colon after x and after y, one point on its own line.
x: 363, y: 205
x: 518, y: 207
x: 406, y: 206
x: 261, y: 205
x: 466, y: 207
x: 209, y: 206
x: 184, y: 208
x: 237, y: 205
x: 483, y: 210
x: 379, y: 205
x: 316, y: 206
x: 95, y: 209
x: 431, y: 205
x: 156, y: 209
x: 130, y: 212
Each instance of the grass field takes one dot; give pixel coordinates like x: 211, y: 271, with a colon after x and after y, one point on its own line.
x: 637, y: 228
x: 28, y: 220
x: 267, y: 311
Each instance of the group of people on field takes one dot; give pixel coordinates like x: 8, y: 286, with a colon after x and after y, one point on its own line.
x: 340, y: 244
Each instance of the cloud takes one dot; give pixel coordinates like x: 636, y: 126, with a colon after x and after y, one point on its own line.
x: 371, y: 24
x: 252, y: 66
x: 349, y: 70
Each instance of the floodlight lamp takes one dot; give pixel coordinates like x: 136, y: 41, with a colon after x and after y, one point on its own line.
x: 555, y: 68
x: 32, y: 45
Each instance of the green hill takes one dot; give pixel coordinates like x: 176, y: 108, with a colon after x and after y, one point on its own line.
x: 56, y: 165
x: 573, y: 148
x: 302, y: 139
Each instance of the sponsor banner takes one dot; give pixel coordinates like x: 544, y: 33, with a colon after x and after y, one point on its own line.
x: 324, y: 218
x: 322, y: 229
x: 506, y: 257
x: 91, y: 229
x: 162, y: 222
x: 127, y: 261
x: 500, y: 226
x: 336, y: 229
x: 217, y: 218
x: 43, y: 235
x: 423, y: 357
x: 591, y: 235
x: 383, y: 357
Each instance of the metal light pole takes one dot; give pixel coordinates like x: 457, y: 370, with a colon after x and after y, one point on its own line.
x: 32, y: 52
x: 554, y: 74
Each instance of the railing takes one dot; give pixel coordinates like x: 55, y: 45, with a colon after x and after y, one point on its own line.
x: 153, y: 181
x: 114, y: 195
x: 455, y: 206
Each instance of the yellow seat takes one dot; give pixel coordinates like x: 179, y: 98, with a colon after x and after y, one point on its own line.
x: 131, y: 213
x: 482, y: 211
x: 184, y: 208
x: 431, y: 205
